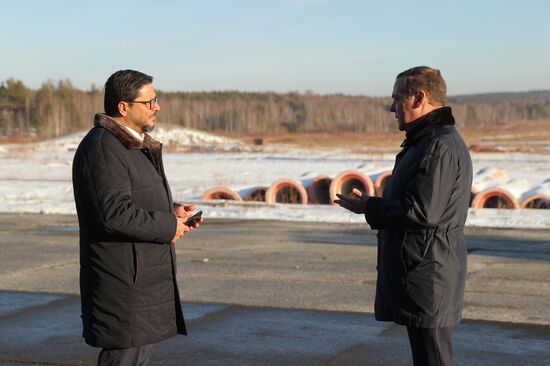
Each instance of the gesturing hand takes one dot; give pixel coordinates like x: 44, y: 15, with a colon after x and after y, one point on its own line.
x: 356, y: 205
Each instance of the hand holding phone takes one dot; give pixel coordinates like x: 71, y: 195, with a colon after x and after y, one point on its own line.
x: 193, y: 219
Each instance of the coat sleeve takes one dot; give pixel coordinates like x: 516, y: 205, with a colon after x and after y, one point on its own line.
x: 107, y: 187
x: 427, y: 194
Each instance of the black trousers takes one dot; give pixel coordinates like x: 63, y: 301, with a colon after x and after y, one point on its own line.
x: 431, y: 346
x: 135, y: 356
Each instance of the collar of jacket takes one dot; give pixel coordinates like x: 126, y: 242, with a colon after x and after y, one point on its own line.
x: 429, y: 122
x: 125, y: 138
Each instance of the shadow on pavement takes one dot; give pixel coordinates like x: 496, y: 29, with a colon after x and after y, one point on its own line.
x: 45, y: 329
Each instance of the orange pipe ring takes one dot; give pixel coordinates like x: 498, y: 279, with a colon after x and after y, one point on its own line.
x: 381, y: 181
x: 286, y: 191
x: 540, y: 201
x: 221, y: 193
x: 494, y: 198
x: 318, y: 190
x: 345, y: 181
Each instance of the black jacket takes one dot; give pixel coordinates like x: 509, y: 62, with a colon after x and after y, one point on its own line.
x: 127, y: 266
x: 420, y: 221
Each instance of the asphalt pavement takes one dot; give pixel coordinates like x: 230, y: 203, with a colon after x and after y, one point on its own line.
x: 275, y: 293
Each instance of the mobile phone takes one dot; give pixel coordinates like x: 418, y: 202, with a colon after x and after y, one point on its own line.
x: 193, y: 219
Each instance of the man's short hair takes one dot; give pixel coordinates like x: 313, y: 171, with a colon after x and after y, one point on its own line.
x: 123, y: 86
x: 427, y: 79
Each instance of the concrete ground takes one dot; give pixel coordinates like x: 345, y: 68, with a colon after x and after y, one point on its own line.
x: 275, y: 293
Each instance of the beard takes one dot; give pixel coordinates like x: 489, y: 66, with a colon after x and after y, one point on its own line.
x: 147, y: 128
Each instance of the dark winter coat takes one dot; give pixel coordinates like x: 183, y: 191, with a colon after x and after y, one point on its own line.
x: 420, y: 221
x: 127, y: 265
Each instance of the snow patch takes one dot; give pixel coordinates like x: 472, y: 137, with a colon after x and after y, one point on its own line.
x: 37, y: 177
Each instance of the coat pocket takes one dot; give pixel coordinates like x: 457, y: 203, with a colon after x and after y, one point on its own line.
x: 135, y: 265
x: 414, y: 250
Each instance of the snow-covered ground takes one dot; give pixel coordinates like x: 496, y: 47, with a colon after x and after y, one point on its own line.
x: 37, y: 177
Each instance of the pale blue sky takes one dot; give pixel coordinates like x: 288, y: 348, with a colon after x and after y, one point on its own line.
x: 351, y: 47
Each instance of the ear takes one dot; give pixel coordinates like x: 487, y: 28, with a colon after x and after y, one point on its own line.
x: 123, y: 108
x: 420, y: 99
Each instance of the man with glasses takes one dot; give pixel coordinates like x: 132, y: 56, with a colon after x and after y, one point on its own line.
x: 128, y: 227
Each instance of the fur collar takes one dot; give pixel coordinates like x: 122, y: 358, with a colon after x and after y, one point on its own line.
x: 125, y: 138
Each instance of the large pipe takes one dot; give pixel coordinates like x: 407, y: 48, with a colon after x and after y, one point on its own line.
x: 286, y: 191
x: 538, y: 197
x: 540, y: 201
x: 318, y: 190
x: 381, y: 182
x: 486, y: 178
x: 254, y: 194
x: 221, y: 193
x: 494, y: 198
x: 344, y: 183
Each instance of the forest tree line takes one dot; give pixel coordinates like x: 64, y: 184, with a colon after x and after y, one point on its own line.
x: 58, y: 108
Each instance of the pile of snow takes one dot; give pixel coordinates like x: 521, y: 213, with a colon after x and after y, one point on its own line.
x: 187, y: 137
x: 64, y: 143
x: 177, y: 136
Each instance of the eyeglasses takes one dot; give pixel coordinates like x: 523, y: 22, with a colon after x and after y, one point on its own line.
x: 149, y: 104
